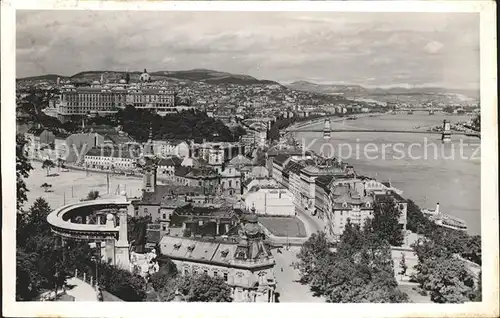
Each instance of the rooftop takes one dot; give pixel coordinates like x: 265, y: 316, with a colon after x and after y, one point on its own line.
x: 164, y: 192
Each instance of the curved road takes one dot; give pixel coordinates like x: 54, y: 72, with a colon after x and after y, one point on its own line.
x: 311, y: 223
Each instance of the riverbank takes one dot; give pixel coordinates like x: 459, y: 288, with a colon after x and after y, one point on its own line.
x: 435, y: 172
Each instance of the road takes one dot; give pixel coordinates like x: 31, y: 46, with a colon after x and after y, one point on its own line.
x: 81, y: 290
x: 311, y: 223
x: 286, y: 277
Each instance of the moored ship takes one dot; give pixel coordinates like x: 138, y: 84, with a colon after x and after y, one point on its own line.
x: 445, y: 220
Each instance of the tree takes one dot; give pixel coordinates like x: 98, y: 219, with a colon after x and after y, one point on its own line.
x: 417, y: 221
x: 311, y: 252
x: 60, y: 163
x: 478, y: 291
x: 92, y: 195
x: 167, y: 272
x: 204, y: 288
x: 361, y: 270
x: 23, y: 167
x: 438, y: 271
x: 472, y: 249
x: 402, y: 265
x: 386, y: 223
x: 46, y: 186
x: 121, y: 283
x: 447, y: 279
x: 48, y: 164
x: 39, y: 257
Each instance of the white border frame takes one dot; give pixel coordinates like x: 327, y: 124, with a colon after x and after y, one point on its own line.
x: 489, y: 173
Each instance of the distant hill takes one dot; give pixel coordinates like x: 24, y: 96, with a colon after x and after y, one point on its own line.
x: 383, y: 93
x: 197, y: 75
x: 325, y: 88
x: 212, y: 77
x: 46, y: 77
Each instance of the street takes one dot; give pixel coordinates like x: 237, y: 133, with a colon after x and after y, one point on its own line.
x: 287, y: 285
x: 311, y: 223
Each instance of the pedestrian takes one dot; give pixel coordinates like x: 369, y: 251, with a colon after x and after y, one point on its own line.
x: 282, y: 269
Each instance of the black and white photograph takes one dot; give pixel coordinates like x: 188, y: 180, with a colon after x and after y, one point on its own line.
x: 250, y: 152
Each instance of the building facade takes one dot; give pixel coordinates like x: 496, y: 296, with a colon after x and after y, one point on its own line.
x: 246, y: 266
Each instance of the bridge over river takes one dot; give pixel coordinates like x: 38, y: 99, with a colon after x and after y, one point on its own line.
x: 320, y: 130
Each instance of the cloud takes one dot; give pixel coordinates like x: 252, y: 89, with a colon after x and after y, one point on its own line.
x: 367, y: 48
x: 433, y: 47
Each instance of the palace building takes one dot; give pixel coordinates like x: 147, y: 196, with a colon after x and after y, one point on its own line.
x: 106, y: 98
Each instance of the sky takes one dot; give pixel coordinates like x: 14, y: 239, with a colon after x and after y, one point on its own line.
x: 369, y: 49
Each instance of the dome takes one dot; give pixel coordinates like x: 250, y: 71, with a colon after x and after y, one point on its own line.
x: 252, y: 229
x: 109, y: 217
x: 252, y: 218
x: 123, y: 193
x: 95, y: 83
x: 145, y: 77
x: 122, y: 81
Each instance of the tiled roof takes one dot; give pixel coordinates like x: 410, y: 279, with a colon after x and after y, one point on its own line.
x: 205, y: 251
x: 36, y: 131
x: 171, y: 161
x: 293, y: 167
x: 163, y: 192
x: 200, y: 173
x: 324, y: 181
x: 205, y: 211
x: 181, y: 171
x: 240, y: 160
x: 118, y: 139
x: 280, y: 159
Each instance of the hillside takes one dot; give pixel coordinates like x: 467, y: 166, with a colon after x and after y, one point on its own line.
x: 197, y: 75
x: 402, y: 94
x: 325, y: 88
x: 46, y: 77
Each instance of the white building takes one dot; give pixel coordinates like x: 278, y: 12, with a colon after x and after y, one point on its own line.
x: 167, y: 148
x: 230, y: 180
x: 270, y: 200
x: 106, y: 159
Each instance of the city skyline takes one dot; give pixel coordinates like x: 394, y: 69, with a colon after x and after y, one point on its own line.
x: 368, y: 49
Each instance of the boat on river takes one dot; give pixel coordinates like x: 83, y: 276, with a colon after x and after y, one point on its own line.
x: 445, y: 220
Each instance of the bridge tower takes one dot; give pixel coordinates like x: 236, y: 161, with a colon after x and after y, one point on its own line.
x: 327, y: 129
x: 446, y: 135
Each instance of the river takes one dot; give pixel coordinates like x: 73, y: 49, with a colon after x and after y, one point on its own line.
x: 427, y: 170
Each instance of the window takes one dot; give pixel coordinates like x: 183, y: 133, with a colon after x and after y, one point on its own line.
x: 163, y: 227
x: 145, y: 210
x: 205, y: 272
x: 164, y: 216
x: 225, y: 277
x: 215, y: 273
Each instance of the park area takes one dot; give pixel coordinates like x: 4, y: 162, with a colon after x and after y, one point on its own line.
x: 284, y: 226
x: 71, y: 186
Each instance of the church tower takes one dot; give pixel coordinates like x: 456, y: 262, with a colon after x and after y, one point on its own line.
x: 149, y: 165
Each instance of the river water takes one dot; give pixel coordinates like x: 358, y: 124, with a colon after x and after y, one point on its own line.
x: 427, y: 170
